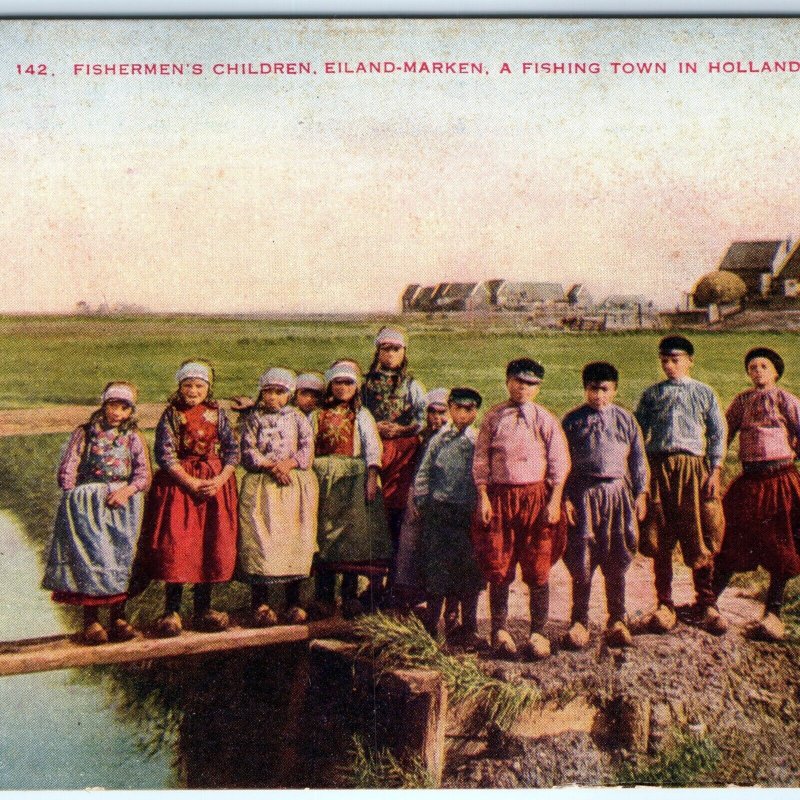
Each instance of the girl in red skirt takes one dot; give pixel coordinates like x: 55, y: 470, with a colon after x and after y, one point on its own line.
x: 762, y: 506
x: 190, y: 528
x: 397, y: 402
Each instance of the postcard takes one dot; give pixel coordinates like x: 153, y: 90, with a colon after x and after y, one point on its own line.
x: 399, y: 403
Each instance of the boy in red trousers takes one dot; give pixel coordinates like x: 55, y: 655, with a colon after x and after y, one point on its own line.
x: 521, y: 464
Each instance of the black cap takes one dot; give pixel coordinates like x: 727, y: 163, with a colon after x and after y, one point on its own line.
x: 464, y: 396
x: 770, y: 355
x: 672, y: 345
x: 599, y: 371
x: 525, y: 369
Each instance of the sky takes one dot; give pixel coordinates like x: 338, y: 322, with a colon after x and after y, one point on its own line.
x: 331, y: 192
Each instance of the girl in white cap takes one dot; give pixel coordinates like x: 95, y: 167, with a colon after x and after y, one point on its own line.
x: 397, y: 401
x: 308, y: 393
x: 278, y: 499
x: 104, y: 471
x: 191, y: 525
x: 352, y: 533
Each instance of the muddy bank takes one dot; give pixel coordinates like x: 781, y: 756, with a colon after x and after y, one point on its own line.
x: 606, y: 708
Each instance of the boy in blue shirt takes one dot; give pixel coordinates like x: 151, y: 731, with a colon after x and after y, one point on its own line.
x: 684, y: 431
x: 445, y: 494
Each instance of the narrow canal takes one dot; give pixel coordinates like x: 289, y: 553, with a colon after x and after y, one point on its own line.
x: 59, y: 730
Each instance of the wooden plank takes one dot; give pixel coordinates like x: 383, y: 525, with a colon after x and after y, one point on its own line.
x: 63, y: 652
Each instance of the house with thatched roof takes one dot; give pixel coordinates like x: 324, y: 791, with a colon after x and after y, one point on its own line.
x: 757, y: 264
x: 407, y: 299
x: 462, y: 297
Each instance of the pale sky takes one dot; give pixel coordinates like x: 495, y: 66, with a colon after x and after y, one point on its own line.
x: 325, y: 193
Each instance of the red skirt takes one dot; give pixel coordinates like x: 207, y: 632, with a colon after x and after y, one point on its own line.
x: 397, y: 470
x: 187, y: 539
x: 77, y: 599
x: 518, y: 534
x: 762, y: 514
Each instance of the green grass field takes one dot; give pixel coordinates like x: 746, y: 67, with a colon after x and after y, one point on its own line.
x: 53, y: 360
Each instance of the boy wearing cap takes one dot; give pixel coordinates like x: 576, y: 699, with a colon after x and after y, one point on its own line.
x: 444, y: 494
x: 606, y: 498
x: 762, y: 506
x: 684, y: 433
x: 278, y: 499
x: 409, y: 580
x: 521, y: 463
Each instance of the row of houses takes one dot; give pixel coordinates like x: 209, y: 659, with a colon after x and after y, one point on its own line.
x: 550, y: 304
x: 495, y: 294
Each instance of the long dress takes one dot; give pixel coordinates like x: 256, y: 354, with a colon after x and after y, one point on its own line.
x: 277, y: 523
x: 352, y: 534
x: 90, y: 555
x: 188, y: 539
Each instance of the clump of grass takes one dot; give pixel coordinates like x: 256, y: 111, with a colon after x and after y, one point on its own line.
x: 381, y: 769
x: 394, y: 643
x: 687, y: 759
x: 791, y: 611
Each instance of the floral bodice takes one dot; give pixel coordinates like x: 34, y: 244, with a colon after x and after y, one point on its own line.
x: 107, y: 457
x: 392, y: 400
x: 336, y: 429
x: 197, y: 432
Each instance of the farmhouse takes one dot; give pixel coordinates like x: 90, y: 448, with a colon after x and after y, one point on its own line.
x: 787, y: 282
x: 758, y: 264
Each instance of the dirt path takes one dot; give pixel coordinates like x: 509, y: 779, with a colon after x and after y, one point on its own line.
x: 63, y: 419
x: 639, y: 591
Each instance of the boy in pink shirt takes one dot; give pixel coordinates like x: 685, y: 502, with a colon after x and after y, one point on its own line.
x: 762, y: 506
x: 520, y: 466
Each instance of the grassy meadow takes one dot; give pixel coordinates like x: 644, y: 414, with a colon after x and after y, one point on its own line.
x: 54, y: 360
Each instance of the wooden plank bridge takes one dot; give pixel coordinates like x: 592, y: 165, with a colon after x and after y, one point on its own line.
x: 65, y: 652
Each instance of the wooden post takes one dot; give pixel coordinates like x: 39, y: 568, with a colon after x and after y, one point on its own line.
x: 417, y: 699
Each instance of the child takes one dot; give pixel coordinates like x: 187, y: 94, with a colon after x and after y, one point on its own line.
x: 352, y: 534
x: 762, y: 506
x: 520, y: 466
x: 684, y: 434
x: 278, y: 499
x: 104, y: 471
x: 190, y: 528
x: 309, y: 392
x: 408, y: 580
x: 606, y: 498
x: 397, y: 402
x: 445, y: 495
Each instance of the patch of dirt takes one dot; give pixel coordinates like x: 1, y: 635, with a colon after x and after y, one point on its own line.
x: 743, y: 694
